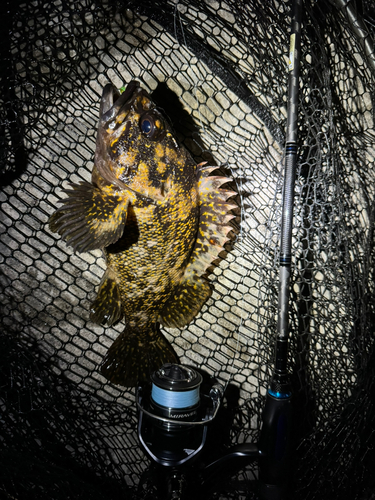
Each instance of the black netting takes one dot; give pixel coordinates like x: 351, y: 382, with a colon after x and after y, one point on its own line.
x: 219, y: 69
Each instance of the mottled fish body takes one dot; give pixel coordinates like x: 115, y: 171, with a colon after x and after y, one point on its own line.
x: 161, y: 221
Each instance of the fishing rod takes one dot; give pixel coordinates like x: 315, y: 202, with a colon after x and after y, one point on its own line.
x: 275, y: 437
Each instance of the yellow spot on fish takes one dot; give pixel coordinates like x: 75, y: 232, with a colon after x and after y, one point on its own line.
x: 145, y: 103
x: 161, y: 168
x: 121, y: 117
x: 159, y: 150
x: 172, y: 156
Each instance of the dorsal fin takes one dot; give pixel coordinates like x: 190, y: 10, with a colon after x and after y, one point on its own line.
x: 213, y: 222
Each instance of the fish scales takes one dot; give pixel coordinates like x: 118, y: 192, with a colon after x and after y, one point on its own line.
x: 160, y: 219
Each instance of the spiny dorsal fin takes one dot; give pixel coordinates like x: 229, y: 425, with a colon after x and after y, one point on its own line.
x: 213, y: 222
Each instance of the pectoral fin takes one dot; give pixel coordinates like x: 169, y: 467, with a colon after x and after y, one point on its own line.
x: 91, y: 218
x: 107, y: 308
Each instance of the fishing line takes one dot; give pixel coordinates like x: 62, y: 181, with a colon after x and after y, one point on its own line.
x: 174, y: 399
x: 195, y: 80
x: 235, y: 180
x: 238, y: 240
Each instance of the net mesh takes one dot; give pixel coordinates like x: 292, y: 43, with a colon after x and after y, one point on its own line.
x: 219, y: 69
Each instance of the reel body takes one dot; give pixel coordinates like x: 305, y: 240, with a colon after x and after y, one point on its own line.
x: 174, y: 415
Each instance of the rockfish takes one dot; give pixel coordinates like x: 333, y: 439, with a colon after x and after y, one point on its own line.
x: 160, y: 219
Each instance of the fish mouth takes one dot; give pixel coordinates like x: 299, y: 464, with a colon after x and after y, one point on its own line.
x: 114, y: 107
x: 113, y: 102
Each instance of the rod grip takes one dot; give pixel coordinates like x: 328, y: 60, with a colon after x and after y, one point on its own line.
x: 275, y: 447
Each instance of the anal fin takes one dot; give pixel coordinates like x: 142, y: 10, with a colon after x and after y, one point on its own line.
x: 91, y: 218
x: 185, y: 303
x: 107, y: 308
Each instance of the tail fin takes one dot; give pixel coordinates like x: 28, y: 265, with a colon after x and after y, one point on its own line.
x: 136, y: 354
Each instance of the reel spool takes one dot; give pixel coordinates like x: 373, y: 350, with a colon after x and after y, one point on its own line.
x: 174, y: 416
x: 175, y: 392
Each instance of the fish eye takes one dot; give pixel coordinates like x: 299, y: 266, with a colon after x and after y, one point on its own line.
x: 151, y: 125
x: 146, y: 126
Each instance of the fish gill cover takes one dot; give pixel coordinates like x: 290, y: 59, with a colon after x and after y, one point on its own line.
x: 219, y: 71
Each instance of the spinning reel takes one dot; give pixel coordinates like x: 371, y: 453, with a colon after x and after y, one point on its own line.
x: 174, y: 417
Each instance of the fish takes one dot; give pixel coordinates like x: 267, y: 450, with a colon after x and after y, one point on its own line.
x: 160, y: 219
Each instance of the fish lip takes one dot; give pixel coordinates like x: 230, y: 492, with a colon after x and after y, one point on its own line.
x: 108, y: 94
x: 113, y: 102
